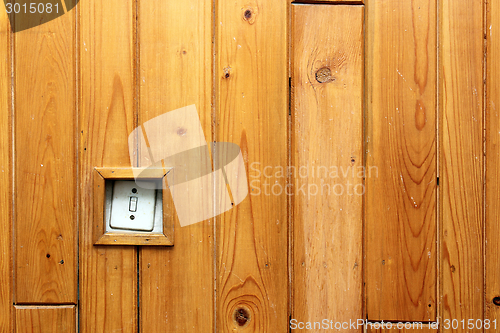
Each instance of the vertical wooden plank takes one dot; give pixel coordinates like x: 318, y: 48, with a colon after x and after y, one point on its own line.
x: 401, y: 231
x: 176, y: 60
x: 108, y: 275
x: 45, y: 163
x: 461, y: 160
x: 327, y: 135
x: 251, y: 111
x: 6, y: 314
x: 46, y: 319
x: 492, y: 163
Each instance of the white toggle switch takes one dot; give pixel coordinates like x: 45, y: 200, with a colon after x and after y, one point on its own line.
x: 132, y: 207
x: 133, y: 204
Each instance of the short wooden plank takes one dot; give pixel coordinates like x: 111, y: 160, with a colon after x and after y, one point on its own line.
x: 461, y: 91
x: 492, y: 269
x: 327, y: 135
x: 401, y: 144
x: 108, y: 274
x: 6, y: 314
x: 134, y: 239
x: 176, y: 61
x: 46, y: 319
x: 45, y: 163
x: 251, y: 111
x: 128, y: 173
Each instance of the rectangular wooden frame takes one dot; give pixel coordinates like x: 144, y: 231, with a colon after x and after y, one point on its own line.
x: 101, y: 237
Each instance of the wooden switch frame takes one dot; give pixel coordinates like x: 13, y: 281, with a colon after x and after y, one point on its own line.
x: 101, y: 237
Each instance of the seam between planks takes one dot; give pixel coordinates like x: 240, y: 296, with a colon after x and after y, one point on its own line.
x: 13, y: 164
x: 485, y: 22
x: 366, y: 17
x: 214, y: 106
x: 438, y: 160
x: 77, y: 164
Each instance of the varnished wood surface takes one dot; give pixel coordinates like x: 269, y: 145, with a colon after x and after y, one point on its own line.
x: 401, y: 143
x: 176, y: 61
x: 107, y: 114
x: 83, y: 82
x: 492, y: 160
x: 461, y: 160
x: 45, y: 162
x: 327, y: 134
x: 251, y: 111
x: 46, y: 319
x: 6, y: 251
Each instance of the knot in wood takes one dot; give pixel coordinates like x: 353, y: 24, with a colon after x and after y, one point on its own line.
x: 324, y: 75
x: 241, y: 316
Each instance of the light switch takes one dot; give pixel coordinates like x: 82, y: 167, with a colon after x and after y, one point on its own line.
x: 132, y: 207
x: 132, y: 204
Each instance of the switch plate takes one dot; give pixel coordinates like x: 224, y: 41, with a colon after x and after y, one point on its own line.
x: 104, y: 179
x: 124, y: 193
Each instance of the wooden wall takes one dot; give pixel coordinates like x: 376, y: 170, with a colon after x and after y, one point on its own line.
x: 405, y: 90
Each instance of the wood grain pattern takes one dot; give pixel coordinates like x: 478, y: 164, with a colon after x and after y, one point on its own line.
x: 327, y: 134
x: 492, y: 160
x: 6, y: 313
x: 46, y: 319
x: 108, y: 275
x: 251, y: 111
x: 141, y: 58
x: 45, y: 163
x: 401, y: 145
x: 176, y: 286
x: 461, y: 159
